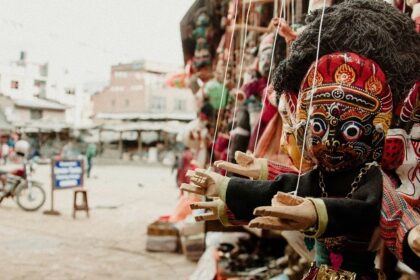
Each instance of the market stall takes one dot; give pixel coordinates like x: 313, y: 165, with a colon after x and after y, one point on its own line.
x: 272, y: 83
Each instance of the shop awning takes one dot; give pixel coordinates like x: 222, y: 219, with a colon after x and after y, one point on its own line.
x: 5, y: 126
x: 167, y: 126
x: 146, y: 116
x: 41, y: 126
x: 38, y: 103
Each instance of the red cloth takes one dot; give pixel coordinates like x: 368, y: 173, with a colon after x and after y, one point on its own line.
x: 397, y: 218
x: 267, y: 114
x: 181, y: 177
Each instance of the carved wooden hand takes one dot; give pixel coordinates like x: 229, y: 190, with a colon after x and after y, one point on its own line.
x: 288, y: 212
x: 211, y: 206
x: 247, y: 165
x: 204, y: 182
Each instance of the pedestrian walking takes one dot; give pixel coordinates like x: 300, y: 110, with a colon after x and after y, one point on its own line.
x: 90, y: 154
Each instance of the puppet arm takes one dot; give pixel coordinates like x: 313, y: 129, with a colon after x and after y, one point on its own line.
x: 242, y: 196
x: 334, y: 216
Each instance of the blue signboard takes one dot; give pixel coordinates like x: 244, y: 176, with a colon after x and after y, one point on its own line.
x: 67, y: 174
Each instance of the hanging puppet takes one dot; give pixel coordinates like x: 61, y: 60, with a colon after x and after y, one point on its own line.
x: 340, y: 200
x: 258, y: 86
x: 344, y: 145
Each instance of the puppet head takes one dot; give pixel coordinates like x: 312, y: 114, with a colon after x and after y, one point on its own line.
x: 406, y: 114
x: 264, y: 54
x: 373, y: 29
x: 350, y: 113
x: 402, y: 147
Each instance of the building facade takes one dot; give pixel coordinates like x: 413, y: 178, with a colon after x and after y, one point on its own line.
x: 40, y: 88
x: 139, y: 87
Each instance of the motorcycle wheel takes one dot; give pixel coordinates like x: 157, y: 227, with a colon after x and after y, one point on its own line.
x: 30, y: 201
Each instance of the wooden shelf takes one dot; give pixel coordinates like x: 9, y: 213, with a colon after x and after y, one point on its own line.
x: 259, y: 29
x: 257, y: 1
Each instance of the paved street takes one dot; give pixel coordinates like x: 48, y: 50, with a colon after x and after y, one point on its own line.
x: 108, y: 245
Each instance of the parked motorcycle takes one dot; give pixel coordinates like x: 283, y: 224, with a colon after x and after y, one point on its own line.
x: 29, y: 194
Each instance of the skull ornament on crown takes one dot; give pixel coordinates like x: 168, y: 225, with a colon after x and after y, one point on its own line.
x: 350, y: 112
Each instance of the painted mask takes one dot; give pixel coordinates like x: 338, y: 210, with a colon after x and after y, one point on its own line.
x: 264, y: 54
x: 350, y: 112
x: 402, y: 147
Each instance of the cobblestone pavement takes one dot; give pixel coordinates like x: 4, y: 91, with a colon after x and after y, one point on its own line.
x: 108, y: 245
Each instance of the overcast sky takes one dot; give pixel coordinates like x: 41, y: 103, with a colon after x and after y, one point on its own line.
x: 88, y: 36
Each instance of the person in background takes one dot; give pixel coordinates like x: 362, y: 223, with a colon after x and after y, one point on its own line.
x: 4, y: 152
x: 176, y: 164
x: 90, y: 153
x: 12, y: 141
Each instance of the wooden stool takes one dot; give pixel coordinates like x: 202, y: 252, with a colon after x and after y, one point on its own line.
x: 82, y: 207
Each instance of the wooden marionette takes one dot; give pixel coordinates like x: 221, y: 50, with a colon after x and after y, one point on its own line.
x: 258, y: 86
x: 402, y: 144
x: 276, y: 143
x: 202, y: 34
x: 342, y: 144
x: 349, y: 117
x: 401, y: 159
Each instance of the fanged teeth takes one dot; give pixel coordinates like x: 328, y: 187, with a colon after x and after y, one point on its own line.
x: 334, y: 157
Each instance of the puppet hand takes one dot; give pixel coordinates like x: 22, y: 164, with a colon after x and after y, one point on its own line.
x: 204, y: 182
x: 239, y: 95
x: 284, y: 199
x: 212, y: 206
x: 414, y: 240
x: 266, y: 222
x: 289, y: 213
x: 247, y: 165
x: 284, y: 30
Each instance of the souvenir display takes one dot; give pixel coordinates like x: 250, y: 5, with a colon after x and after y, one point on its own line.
x: 345, y: 109
x: 332, y: 160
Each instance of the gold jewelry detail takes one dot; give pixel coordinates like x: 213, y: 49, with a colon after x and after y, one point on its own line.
x: 354, y: 185
x: 373, y: 85
x: 327, y: 273
x: 345, y: 75
x: 318, y: 78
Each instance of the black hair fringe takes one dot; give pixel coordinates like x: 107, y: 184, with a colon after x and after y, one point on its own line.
x: 373, y: 29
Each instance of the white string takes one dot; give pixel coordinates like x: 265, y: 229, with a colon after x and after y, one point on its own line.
x: 224, y: 82
x: 293, y: 13
x: 239, y: 79
x: 282, y: 10
x: 312, y: 96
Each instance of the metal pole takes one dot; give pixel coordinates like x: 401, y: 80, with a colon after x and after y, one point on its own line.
x: 120, y: 147
x: 52, y: 211
x: 139, y: 143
